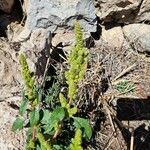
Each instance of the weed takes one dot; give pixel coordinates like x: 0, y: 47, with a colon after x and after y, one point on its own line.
x: 125, y: 87
x: 52, y: 118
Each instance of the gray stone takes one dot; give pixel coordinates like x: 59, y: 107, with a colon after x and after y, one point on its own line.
x: 113, y: 37
x: 10, y: 79
x: 54, y: 14
x: 138, y: 36
x: 120, y: 11
x: 66, y: 38
x: 36, y: 48
x: 6, y: 5
x: 144, y: 12
x: 8, y: 139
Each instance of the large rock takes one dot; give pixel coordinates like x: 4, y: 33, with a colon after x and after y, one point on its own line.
x: 144, y: 12
x: 36, y: 49
x: 138, y: 36
x: 111, y: 38
x: 8, y: 139
x: 122, y: 11
x: 54, y: 14
x: 10, y: 79
x: 6, y: 5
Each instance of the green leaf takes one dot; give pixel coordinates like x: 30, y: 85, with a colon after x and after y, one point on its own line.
x: 31, y: 144
x: 58, y: 114
x: 38, y: 147
x: 125, y: 86
x: 60, y: 147
x: 46, y: 117
x: 76, y: 141
x: 48, y: 78
x: 57, y: 147
x: 51, y: 120
x: 81, y: 123
x: 29, y: 139
x: 44, y: 144
x: 52, y: 95
x: 72, y: 111
x: 46, y: 121
x: 34, y: 117
x: 23, y: 106
x: 18, y: 124
x: 63, y: 100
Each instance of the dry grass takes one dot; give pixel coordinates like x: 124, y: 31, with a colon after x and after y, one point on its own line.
x: 99, y: 98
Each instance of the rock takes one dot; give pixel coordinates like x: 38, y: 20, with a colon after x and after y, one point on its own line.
x: 112, y: 38
x: 25, y: 6
x: 144, y: 12
x: 13, y: 30
x: 66, y: 39
x: 6, y: 5
x: 52, y: 16
x: 8, y: 139
x: 138, y: 35
x: 55, y: 14
x: 120, y: 11
x: 10, y: 79
x: 36, y: 49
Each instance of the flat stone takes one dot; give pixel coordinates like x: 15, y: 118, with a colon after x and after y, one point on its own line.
x: 120, y: 11
x: 10, y: 78
x: 144, y: 12
x: 112, y: 38
x: 54, y: 14
x: 138, y: 36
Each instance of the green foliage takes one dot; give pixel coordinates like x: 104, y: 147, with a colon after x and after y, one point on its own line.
x: 51, y: 95
x: 23, y: 105
x: 51, y: 120
x: 18, y: 124
x: 44, y: 144
x: 31, y: 145
x: 81, y: 123
x: 125, y: 87
x: 50, y: 113
x: 77, y: 63
x: 34, y: 117
x: 76, y: 141
x: 27, y: 77
x: 63, y: 101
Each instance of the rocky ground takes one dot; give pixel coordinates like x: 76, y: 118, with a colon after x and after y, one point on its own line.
x: 117, y: 34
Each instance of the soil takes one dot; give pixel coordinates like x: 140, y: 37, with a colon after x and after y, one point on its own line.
x: 126, y: 112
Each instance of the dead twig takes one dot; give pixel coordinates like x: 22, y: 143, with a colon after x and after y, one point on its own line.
x: 124, y: 72
x: 110, y: 115
x: 132, y: 141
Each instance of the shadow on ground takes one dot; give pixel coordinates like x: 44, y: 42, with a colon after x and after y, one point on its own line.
x: 135, y: 110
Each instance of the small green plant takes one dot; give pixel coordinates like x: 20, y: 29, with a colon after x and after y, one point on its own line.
x: 52, y: 117
x: 27, y: 77
x: 77, y: 141
x: 125, y: 87
x: 78, y: 64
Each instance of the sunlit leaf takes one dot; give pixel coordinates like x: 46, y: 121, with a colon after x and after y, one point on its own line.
x: 81, y: 123
x: 34, y: 117
x: 18, y: 124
